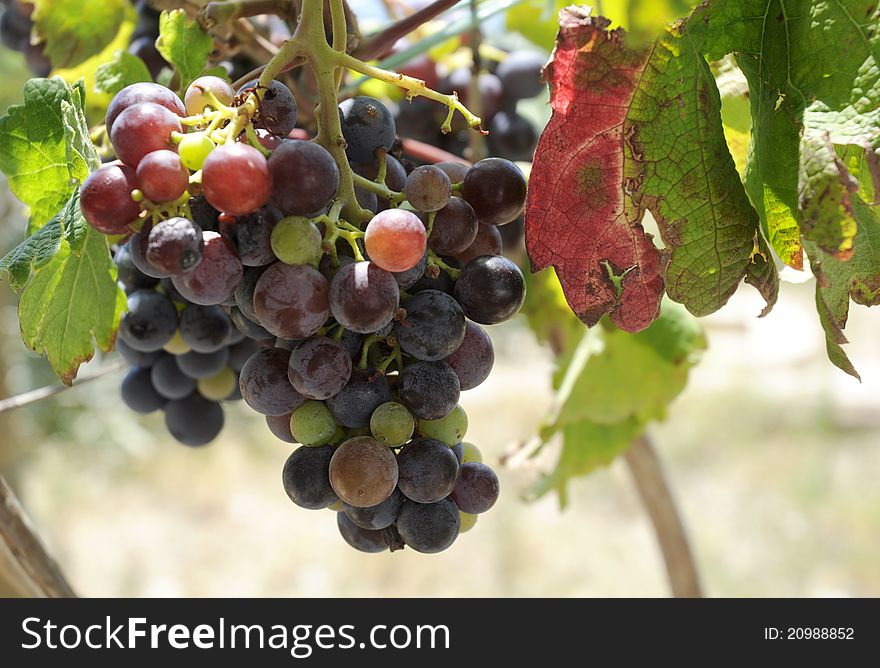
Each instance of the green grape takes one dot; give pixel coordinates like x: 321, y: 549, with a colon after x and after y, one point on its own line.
x: 312, y: 424
x: 392, y: 424
x: 468, y: 452
x: 468, y: 521
x: 177, y: 346
x: 296, y: 240
x: 194, y: 149
x: 449, y: 429
x: 219, y: 386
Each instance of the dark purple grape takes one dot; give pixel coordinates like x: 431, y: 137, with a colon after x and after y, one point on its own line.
x: 433, y: 328
x: 248, y: 327
x: 205, y: 329
x: 319, y: 367
x: 304, y: 176
x: 407, y: 279
x: 428, y: 470
x: 477, y: 488
x: 279, y: 425
x: 367, y: 126
x: 455, y: 228
x: 128, y: 274
x: 487, y: 242
x: 428, y: 188
x: 354, y: 404
x: 306, y: 477
x: 490, y: 289
x: 169, y: 380
x: 241, y: 352
x: 136, y: 357
x: 244, y: 293
x: 376, y: 517
x: 265, y: 385
x: 496, y: 189
x: 277, y: 111
x: 430, y: 390
x: 292, y: 301
x: 512, y: 136
x: 363, y: 297
x: 215, y: 278
x: 138, y: 392
x: 151, y: 321
x: 175, y: 246
x: 473, y: 360
x: 520, y: 74
x: 456, y: 171
x: 194, y: 421
x: 251, y: 235
x: 429, y: 527
x: 363, y: 540
x: 203, y: 365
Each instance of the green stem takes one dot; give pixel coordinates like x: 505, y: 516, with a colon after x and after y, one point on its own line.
x: 413, y: 88
x: 433, y: 259
x: 365, y: 353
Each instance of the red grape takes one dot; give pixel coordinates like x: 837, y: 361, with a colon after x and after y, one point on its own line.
x: 395, y: 240
x: 106, y: 200
x: 142, y: 129
x: 236, y: 179
x: 161, y: 176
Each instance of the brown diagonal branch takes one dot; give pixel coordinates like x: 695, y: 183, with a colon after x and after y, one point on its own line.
x: 657, y: 498
x: 381, y: 43
x: 41, y: 573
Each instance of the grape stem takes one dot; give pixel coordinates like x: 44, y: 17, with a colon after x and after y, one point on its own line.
x: 328, y: 62
x: 365, y: 351
x: 434, y: 260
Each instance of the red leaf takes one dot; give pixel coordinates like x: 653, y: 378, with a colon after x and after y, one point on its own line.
x: 575, y: 214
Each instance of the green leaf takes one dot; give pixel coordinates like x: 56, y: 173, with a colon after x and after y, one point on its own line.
x: 825, y: 189
x: 613, y: 386
x: 74, y: 30
x: 125, y: 69
x: 32, y: 253
x: 70, y: 302
x: 43, y: 147
x: 183, y: 44
x: 812, y: 68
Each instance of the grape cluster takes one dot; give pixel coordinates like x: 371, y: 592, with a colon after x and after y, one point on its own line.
x: 354, y: 341
x: 185, y: 357
x: 511, y: 135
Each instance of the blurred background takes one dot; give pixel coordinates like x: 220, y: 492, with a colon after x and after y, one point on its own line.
x: 772, y: 454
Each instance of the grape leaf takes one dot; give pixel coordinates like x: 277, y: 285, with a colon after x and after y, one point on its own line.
x: 70, y: 301
x: 125, y: 69
x: 615, y: 383
x: 34, y: 252
x: 825, y: 189
x: 70, y: 296
x: 634, y: 130
x: 183, y: 44
x: 43, y: 149
x: 74, y: 30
